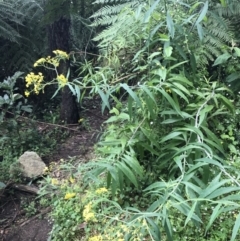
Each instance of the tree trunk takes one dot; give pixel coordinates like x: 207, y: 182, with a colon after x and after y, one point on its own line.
x: 59, y: 36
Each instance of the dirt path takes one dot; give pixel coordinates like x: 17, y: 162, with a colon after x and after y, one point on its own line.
x: 14, y: 224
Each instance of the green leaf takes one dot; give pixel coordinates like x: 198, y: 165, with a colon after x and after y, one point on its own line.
x: 156, y: 185
x: 150, y: 11
x: 181, y: 79
x: 172, y: 120
x: 236, y: 228
x: 213, y: 217
x: 59, y: 88
x: 226, y: 102
x: 130, y: 107
x: 213, y: 186
x: 128, y: 173
x: 170, y: 25
x: 115, y: 111
x: 190, y: 214
x: 149, y: 135
x: 132, y: 94
x: 154, y: 54
x: 170, y: 100
x: 213, y: 137
x: 178, y: 92
x: 161, y: 72
x: 168, y: 51
x: 193, y: 187
x: 120, y: 117
x: 133, y: 163
x: 237, y: 51
x: 71, y: 88
x: 222, y: 59
x: 155, y: 205
x: 181, y: 87
x: 109, y: 179
x: 233, y: 76
x: 222, y: 191
x: 154, y: 229
x: 148, y: 92
x: 178, y: 160
x: 200, y: 31
x: 104, y: 98
x: 168, y: 228
x: 203, y: 13
x: 78, y: 92
x: 170, y: 136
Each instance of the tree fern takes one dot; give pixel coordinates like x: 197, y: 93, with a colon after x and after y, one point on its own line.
x: 125, y: 15
x: 29, y: 46
x: 9, y: 20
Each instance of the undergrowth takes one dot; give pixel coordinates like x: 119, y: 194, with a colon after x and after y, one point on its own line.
x: 167, y: 165
x: 19, y: 131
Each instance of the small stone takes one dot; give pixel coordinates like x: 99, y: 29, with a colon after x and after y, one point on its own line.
x: 31, y: 164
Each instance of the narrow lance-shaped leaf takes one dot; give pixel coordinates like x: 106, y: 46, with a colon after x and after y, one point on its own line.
x: 214, y: 215
x: 104, y: 98
x: 150, y: 11
x: 131, y: 93
x: 236, y: 228
x: 200, y: 31
x: 155, y: 231
x: 128, y: 173
x: 170, y: 25
x: 190, y: 214
x: 203, y: 13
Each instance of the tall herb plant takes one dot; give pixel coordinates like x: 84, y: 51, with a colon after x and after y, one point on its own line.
x: 161, y: 140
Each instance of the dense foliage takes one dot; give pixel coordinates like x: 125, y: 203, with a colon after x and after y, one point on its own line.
x: 167, y: 165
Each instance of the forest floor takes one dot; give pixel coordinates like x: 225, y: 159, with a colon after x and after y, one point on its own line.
x: 19, y: 221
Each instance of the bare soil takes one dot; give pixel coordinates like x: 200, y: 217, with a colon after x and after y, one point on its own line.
x: 15, y: 225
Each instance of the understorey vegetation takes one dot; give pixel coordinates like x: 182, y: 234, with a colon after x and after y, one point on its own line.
x: 167, y: 164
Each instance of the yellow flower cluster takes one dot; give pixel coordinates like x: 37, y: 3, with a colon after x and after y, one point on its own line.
x: 27, y: 93
x: 69, y: 195
x: 54, y: 181
x: 53, y: 61
x: 100, y: 238
x: 62, y: 80
x: 61, y: 54
x: 118, y: 232
x: 96, y: 238
x: 101, y: 190
x: 39, y: 62
x: 34, y: 79
x: 88, y: 214
x: 49, y: 60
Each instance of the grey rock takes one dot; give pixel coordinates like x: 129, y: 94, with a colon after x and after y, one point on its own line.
x: 31, y: 164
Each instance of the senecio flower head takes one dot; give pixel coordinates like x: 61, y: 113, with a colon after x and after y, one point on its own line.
x: 101, y: 190
x: 34, y: 79
x: 88, y: 214
x: 62, y: 80
x: 69, y: 195
x: 61, y: 54
x: 39, y: 62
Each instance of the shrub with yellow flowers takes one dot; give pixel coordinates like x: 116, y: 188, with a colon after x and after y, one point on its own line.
x: 90, y: 214
x: 35, y: 81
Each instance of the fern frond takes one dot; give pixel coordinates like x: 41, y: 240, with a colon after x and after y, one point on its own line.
x: 111, y: 10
